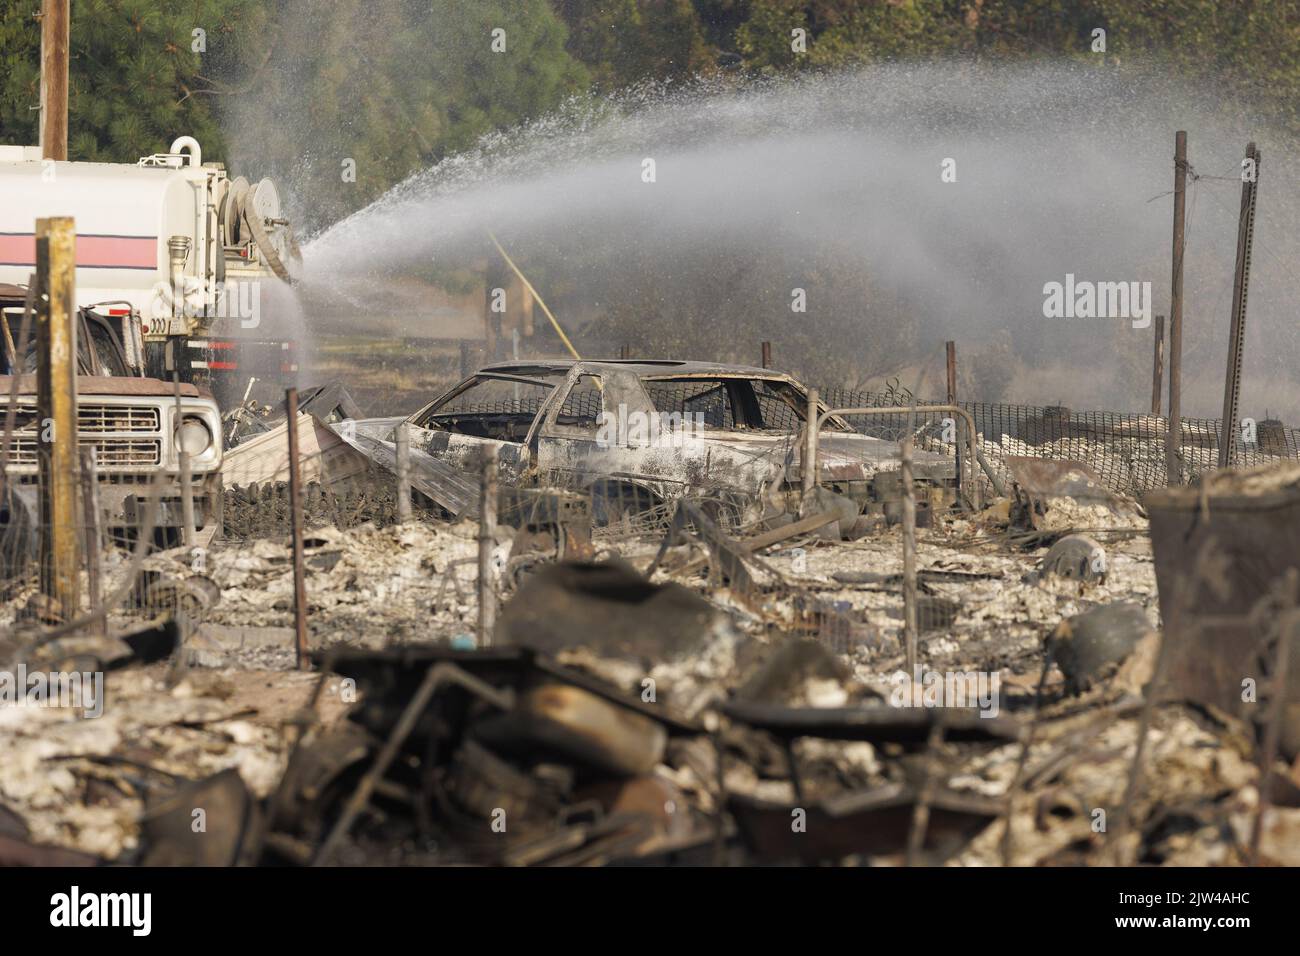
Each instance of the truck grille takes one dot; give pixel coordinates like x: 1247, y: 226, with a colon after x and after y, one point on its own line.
x: 117, y: 418
x: 123, y: 436
x: 109, y: 452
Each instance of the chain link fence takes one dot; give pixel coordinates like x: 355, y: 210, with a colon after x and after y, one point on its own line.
x: 1126, y: 450
x: 117, y: 577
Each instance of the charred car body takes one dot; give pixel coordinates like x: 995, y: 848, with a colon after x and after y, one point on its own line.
x: 136, y: 425
x: 644, y: 433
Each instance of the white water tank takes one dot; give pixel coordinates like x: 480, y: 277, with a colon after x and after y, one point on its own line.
x: 125, y: 216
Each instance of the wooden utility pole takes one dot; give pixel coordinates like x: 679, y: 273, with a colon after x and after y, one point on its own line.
x: 1240, y: 287
x: 1158, y: 365
x: 56, y: 403
x: 1174, y: 433
x: 55, y: 20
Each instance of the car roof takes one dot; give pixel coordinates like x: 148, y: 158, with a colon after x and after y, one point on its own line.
x: 642, y: 367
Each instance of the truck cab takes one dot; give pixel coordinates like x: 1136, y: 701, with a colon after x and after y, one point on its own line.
x: 137, y: 426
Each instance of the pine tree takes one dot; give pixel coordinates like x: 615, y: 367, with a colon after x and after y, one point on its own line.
x: 136, y: 80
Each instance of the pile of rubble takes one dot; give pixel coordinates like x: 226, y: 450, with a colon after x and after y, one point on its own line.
x: 691, y: 696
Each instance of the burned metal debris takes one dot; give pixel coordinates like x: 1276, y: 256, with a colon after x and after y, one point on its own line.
x: 1087, y: 645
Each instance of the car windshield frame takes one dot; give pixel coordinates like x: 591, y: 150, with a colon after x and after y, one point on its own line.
x: 432, y: 417
x: 798, y: 401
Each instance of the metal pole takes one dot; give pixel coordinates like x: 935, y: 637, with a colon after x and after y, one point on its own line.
x: 487, y: 592
x: 1174, y: 433
x: 767, y: 355
x: 1240, y: 287
x: 1158, y: 365
x: 950, y: 349
x: 185, y: 476
x: 489, y: 320
x: 187, y: 500
x: 909, y: 555
x: 403, y: 473
x: 808, y: 469
x: 55, y: 21
x: 1288, y: 630
x: 925, y: 796
x: 295, y: 514
x: 56, y: 402
x: 94, y: 537
x: 464, y: 358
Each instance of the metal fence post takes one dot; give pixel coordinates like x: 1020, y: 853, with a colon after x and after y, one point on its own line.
x: 296, y: 519
x: 1240, y: 288
x: 909, y: 555
x: 1174, y: 432
x: 94, y: 536
x: 403, y: 473
x: 808, y: 471
x: 1158, y: 366
x: 487, y: 592
x: 950, y: 352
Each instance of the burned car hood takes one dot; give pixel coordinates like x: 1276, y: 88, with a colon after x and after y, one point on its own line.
x: 843, y: 456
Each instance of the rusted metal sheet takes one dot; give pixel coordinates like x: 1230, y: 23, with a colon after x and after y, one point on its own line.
x: 905, y: 725
x: 451, y: 488
x: 15, y: 851
x: 322, y: 456
x: 579, y: 726
x: 1219, y: 552
x: 231, y: 834
x: 874, y: 822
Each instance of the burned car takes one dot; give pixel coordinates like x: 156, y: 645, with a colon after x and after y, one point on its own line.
x: 641, y: 433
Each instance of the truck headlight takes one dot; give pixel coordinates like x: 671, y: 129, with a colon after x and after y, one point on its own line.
x: 193, y: 436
